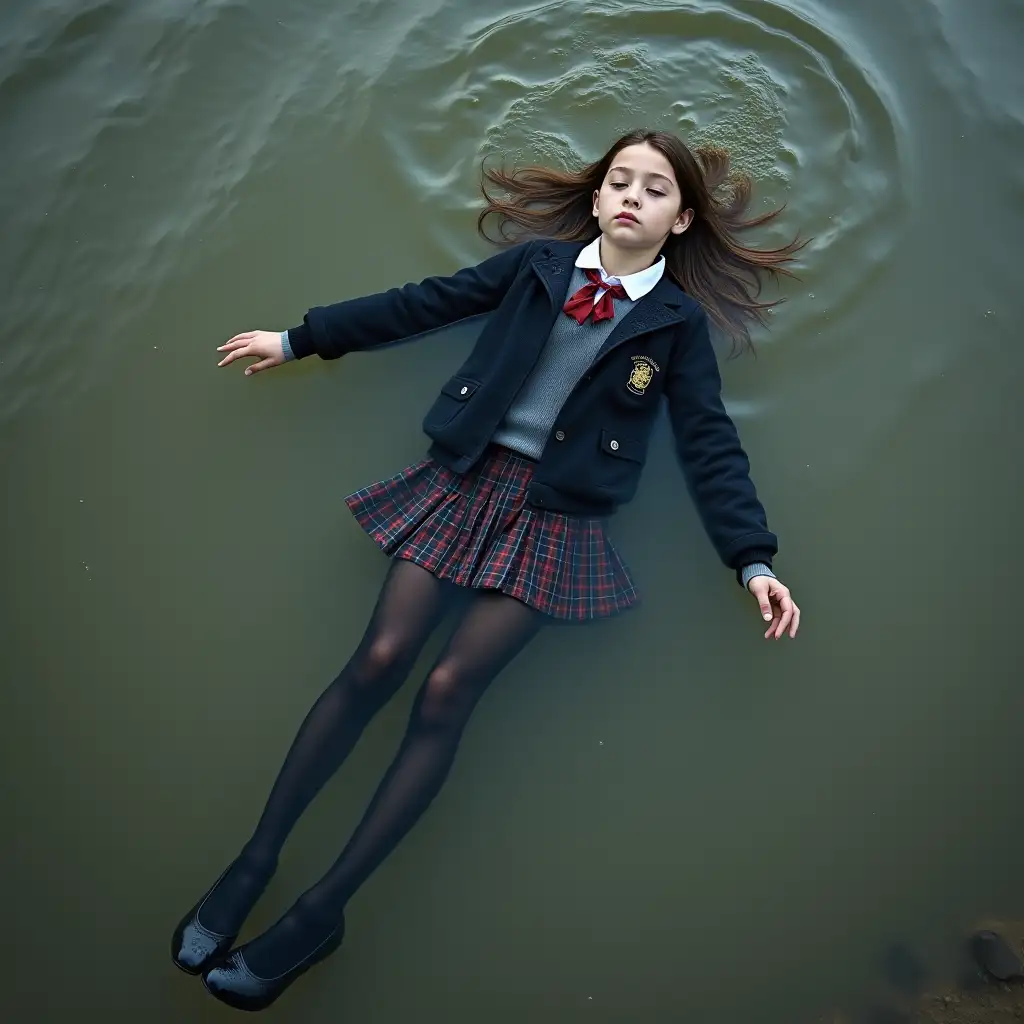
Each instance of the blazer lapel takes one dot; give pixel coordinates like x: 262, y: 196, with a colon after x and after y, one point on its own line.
x: 553, y: 264
x: 659, y: 308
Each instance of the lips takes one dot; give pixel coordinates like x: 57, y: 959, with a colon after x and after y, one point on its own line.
x: 627, y: 217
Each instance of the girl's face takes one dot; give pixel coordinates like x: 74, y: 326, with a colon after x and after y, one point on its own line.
x: 639, y: 204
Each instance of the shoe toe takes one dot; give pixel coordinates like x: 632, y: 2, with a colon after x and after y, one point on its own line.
x: 194, y: 947
x: 232, y: 982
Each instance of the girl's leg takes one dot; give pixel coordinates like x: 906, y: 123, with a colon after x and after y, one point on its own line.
x: 490, y: 634
x: 411, y: 603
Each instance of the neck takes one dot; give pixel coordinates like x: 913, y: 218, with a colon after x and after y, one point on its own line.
x: 619, y: 262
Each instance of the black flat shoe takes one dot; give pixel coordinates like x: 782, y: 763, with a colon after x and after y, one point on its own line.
x: 193, y: 947
x: 232, y: 981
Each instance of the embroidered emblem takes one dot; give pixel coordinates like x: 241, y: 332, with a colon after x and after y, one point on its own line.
x: 644, y: 369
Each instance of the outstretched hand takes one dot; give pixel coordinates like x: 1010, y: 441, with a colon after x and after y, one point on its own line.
x: 262, y: 345
x: 777, y: 606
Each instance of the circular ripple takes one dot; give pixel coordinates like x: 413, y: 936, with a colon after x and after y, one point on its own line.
x: 798, y: 109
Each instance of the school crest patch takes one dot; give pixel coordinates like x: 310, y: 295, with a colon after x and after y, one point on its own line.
x: 644, y: 369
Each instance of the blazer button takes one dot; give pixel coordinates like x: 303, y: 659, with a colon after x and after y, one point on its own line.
x: 464, y: 391
x: 614, y: 445
x: 559, y: 435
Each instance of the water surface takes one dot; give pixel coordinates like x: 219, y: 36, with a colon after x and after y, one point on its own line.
x: 661, y: 819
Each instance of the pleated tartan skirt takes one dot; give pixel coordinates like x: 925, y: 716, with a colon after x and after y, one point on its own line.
x: 476, y: 530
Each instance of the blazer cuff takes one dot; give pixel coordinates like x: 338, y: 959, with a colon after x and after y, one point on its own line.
x: 300, y: 341
x: 751, y: 557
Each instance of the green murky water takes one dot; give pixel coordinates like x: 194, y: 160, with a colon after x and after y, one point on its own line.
x: 664, y: 819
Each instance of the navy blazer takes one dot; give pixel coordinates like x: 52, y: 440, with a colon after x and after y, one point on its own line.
x: 594, y: 455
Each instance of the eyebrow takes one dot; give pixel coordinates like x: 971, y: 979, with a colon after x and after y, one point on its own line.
x: 652, y: 174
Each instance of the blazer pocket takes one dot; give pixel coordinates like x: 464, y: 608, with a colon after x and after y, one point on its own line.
x: 622, y: 447
x: 460, y: 388
x: 450, y: 402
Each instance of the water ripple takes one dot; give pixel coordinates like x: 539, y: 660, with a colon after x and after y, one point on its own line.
x: 556, y: 82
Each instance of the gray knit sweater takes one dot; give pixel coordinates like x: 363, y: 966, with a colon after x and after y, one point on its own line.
x: 567, y: 355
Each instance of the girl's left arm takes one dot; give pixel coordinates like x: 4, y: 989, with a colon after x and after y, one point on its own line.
x: 415, y: 308
x: 717, y: 473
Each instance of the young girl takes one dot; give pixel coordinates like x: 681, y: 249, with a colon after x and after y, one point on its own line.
x: 536, y: 440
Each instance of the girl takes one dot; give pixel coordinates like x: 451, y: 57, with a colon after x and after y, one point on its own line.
x: 536, y: 440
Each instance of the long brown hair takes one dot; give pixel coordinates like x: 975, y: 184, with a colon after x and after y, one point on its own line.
x: 707, y: 261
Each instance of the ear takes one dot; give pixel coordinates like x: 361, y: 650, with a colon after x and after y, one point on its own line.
x: 597, y: 194
x: 683, y: 221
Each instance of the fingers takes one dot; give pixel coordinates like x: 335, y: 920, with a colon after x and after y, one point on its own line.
x: 796, y: 623
x: 785, y: 615
x: 232, y: 356
x: 786, y: 607
x: 237, y: 346
x: 263, y: 364
x: 238, y: 339
x: 758, y: 586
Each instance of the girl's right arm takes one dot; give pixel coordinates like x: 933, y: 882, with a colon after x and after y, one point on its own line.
x: 373, y: 320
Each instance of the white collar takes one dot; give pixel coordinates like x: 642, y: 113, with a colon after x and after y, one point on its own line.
x: 637, y: 285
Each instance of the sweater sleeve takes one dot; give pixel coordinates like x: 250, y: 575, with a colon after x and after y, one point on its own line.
x: 373, y: 320
x: 749, y: 572
x: 714, y: 463
x: 286, y: 347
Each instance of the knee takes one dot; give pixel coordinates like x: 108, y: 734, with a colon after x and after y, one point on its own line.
x: 384, y: 655
x: 446, y: 699
x: 381, y: 666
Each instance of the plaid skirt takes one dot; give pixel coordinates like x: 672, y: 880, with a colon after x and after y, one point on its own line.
x: 476, y: 530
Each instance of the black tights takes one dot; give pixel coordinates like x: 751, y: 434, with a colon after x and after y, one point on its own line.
x: 493, y: 629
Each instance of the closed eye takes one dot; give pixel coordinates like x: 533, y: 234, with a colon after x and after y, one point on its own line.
x: 622, y: 184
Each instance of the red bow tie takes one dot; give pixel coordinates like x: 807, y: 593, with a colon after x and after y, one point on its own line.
x: 580, y: 305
